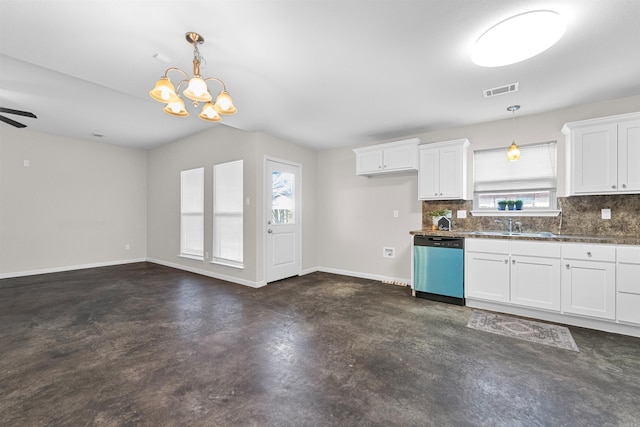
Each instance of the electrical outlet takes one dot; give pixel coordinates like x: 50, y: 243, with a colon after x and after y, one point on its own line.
x: 388, y: 252
x: 461, y: 214
x: 606, y: 213
x: 26, y: 163
x: 395, y: 214
x: 127, y: 247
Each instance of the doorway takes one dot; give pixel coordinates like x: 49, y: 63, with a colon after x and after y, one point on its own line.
x: 283, y: 201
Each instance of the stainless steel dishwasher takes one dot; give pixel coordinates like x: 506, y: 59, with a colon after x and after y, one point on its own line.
x: 438, y: 269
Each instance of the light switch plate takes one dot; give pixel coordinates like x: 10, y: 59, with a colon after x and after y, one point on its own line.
x: 461, y: 214
x: 606, y: 213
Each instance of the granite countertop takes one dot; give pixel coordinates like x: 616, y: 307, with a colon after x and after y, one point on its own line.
x: 570, y: 238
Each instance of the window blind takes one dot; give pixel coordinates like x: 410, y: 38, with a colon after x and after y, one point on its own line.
x: 192, y: 212
x: 536, y: 169
x: 228, y: 198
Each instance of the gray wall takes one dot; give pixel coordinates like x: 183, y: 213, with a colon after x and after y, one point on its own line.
x: 77, y: 204
x: 355, y: 218
x: 80, y: 202
x: 218, y: 145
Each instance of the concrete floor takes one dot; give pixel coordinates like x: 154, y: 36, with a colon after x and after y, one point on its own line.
x: 143, y: 344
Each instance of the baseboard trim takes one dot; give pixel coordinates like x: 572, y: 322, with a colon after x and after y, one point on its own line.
x: 388, y: 279
x: 69, y: 268
x: 208, y: 273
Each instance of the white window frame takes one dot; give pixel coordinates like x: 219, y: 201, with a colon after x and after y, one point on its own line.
x: 191, y: 210
x: 531, y: 177
x: 228, y: 205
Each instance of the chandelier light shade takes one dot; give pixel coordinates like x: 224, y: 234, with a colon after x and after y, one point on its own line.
x: 209, y: 113
x: 513, y: 153
x: 518, y: 38
x: 197, y: 90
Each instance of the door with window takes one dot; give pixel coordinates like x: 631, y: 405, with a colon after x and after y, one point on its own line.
x: 282, y: 228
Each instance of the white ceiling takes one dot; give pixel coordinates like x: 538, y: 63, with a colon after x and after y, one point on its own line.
x: 324, y: 74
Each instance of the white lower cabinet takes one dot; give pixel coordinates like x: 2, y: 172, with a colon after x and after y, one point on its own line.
x: 590, y: 285
x: 589, y: 280
x: 535, y: 275
x: 521, y: 273
x: 628, y: 280
x: 487, y: 276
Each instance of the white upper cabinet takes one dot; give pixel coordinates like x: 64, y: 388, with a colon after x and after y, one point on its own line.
x: 442, y: 172
x: 603, y: 155
x: 385, y: 158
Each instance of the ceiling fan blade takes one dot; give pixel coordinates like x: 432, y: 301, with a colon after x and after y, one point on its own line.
x: 12, y: 122
x: 17, y: 112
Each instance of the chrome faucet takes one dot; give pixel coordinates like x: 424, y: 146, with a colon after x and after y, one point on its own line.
x: 510, y: 225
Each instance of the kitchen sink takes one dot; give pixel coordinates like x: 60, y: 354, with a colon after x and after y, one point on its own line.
x: 514, y: 234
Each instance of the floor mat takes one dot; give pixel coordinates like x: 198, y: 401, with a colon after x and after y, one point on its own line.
x: 527, y: 330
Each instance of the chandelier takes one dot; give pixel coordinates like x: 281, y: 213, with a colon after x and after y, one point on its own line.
x: 196, y: 90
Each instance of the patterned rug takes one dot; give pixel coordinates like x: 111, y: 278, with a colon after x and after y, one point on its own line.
x: 528, y: 330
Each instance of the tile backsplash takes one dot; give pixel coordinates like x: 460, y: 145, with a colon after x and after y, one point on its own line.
x: 581, y: 215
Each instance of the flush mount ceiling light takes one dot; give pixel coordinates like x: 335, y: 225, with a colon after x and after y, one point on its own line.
x: 196, y: 90
x: 513, y: 153
x: 518, y: 38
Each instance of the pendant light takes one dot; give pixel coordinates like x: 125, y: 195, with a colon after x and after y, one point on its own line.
x: 513, y: 153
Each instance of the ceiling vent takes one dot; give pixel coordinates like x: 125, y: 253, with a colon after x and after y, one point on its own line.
x: 513, y: 87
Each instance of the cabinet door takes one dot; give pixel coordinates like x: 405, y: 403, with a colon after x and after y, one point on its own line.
x: 450, y: 172
x: 369, y: 161
x: 535, y: 282
x: 595, y: 168
x: 629, y: 156
x: 399, y: 158
x: 429, y: 175
x: 487, y: 276
x: 589, y: 288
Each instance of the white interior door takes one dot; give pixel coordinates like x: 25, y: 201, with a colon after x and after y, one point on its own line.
x: 282, y: 228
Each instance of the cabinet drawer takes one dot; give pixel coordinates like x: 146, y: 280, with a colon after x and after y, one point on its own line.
x: 628, y: 254
x: 589, y: 252
x: 628, y: 279
x: 537, y: 249
x: 490, y: 246
x: 628, y: 308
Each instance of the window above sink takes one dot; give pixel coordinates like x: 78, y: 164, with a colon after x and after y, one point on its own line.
x: 531, y: 181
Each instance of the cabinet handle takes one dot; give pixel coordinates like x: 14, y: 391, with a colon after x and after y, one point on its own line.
x: 568, y: 266
x: 589, y: 254
x: 624, y: 185
x: 506, y: 261
x: 435, y: 194
x: 441, y: 194
x: 513, y: 261
x: 379, y: 166
x: 613, y: 186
